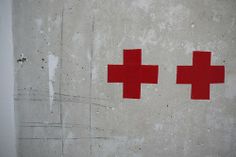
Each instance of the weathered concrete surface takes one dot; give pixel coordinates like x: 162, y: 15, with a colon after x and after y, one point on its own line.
x: 65, y: 107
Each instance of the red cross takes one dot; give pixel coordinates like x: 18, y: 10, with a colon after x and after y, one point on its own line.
x: 200, y: 75
x: 132, y: 73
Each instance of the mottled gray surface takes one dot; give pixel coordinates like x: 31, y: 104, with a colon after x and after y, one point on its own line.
x: 65, y: 107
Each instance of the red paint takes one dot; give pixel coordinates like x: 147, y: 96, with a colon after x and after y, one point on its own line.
x: 132, y: 73
x: 200, y: 75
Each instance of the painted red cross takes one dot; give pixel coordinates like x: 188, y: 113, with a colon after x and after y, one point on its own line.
x: 132, y: 73
x: 200, y: 75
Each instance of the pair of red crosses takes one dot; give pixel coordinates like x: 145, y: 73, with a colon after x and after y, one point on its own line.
x: 132, y: 73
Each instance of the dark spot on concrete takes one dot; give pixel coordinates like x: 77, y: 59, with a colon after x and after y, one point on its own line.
x: 167, y: 105
x: 43, y: 59
x: 139, y: 148
x: 224, y: 61
x: 42, y: 67
x: 21, y: 60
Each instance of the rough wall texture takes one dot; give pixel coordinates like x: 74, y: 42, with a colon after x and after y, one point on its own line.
x: 65, y: 107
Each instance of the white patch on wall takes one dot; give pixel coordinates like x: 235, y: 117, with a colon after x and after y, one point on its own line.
x: 158, y: 127
x: 76, y: 37
x: 89, y: 57
x: 142, y: 4
x: 95, y: 72
x: 52, y: 65
x: 39, y: 23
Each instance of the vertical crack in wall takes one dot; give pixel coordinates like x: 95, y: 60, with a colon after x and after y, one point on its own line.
x: 90, y: 84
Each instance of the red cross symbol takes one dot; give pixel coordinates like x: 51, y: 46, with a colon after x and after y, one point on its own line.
x: 200, y: 75
x: 132, y: 73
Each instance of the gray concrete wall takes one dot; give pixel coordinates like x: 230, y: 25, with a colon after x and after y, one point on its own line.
x: 7, y: 116
x: 65, y: 107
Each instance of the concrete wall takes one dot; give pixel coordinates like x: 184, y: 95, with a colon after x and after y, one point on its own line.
x: 7, y: 120
x: 65, y: 107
